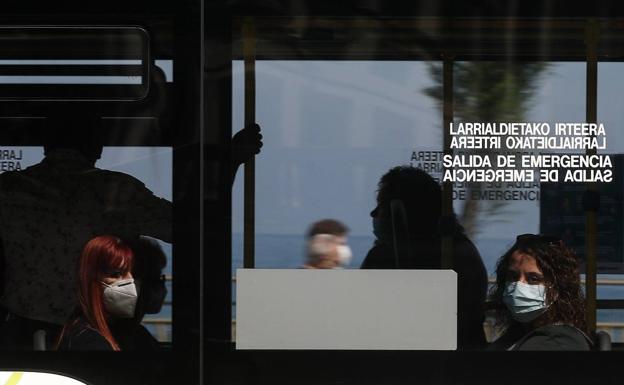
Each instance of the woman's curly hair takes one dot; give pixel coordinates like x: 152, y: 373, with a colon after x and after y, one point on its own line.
x: 559, y: 266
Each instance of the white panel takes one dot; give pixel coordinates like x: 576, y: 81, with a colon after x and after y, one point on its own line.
x: 346, y: 309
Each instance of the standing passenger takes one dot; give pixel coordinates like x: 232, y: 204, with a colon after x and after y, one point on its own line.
x: 47, y: 214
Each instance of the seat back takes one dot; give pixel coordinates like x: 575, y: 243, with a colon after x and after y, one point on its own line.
x: 602, y: 341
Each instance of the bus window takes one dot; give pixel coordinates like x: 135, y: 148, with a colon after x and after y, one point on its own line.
x: 493, y: 213
x: 153, y: 167
x: 31, y: 60
x: 340, y: 127
x: 331, y: 129
x: 323, y: 100
x: 610, y: 291
x: 67, y: 106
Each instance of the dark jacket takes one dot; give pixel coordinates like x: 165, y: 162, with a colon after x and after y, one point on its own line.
x: 81, y: 336
x: 549, y: 337
x: 131, y: 335
x: 128, y: 334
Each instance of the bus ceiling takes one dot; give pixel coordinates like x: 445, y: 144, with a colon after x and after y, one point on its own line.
x: 425, y: 38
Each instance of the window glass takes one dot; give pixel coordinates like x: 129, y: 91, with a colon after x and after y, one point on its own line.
x: 503, y: 92
x: 330, y: 130
x: 153, y: 167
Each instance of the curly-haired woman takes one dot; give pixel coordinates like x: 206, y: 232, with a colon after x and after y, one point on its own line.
x: 538, y: 297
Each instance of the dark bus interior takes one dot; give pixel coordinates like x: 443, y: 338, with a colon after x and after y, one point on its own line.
x: 191, y: 113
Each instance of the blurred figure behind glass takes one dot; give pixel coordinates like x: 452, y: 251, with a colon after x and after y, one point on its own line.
x: 327, y: 246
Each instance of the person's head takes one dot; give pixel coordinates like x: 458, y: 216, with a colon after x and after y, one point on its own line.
x: 538, y: 283
x: 150, y: 260
x: 328, y: 226
x: 106, y: 285
x: 327, y: 245
x: 75, y: 132
x: 420, y: 194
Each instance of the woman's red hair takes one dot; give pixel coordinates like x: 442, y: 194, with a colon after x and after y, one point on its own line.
x: 101, y: 255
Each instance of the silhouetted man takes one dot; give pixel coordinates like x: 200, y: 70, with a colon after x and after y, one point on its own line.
x: 49, y: 211
x: 419, y: 244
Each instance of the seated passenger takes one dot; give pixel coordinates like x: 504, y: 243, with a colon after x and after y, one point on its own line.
x: 106, y: 293
x: 149, y: 261
x: 538, y: 296
x: 327, y: 246
x: 322, y: 252
x: 419, y: 244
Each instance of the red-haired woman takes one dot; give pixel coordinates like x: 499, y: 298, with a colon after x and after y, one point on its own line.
x: 106, y: 293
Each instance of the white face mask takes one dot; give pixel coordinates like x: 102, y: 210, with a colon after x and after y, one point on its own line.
x: 344, y: 255
x: 525, y: 302
x: 120, y: 298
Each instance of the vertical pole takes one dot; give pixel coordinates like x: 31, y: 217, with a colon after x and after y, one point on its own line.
x: 591, y: 226
x: 249, y: 54
x: 447, y: 187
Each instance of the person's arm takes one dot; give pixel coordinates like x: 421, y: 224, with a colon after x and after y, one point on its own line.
x: 135, y: 211
x: 156, y: 215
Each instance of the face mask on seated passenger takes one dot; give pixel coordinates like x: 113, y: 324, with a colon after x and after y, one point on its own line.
x: 525, y: 302
x: 344, y: 255
x: 120, y: 298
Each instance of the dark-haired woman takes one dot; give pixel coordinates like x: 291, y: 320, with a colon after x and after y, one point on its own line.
x: 106, y: 293
x: 540, y: 305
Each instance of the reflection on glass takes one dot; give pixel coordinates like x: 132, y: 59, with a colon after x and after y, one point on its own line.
x: 150, y: 165
x: 331, y: 129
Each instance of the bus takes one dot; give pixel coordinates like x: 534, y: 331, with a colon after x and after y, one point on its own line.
x: 343, y: 92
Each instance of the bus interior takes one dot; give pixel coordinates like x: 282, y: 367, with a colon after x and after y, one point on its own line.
x: 342, y: 92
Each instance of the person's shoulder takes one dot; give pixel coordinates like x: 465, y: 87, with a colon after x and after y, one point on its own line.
x: 463, y: 242
x: 378, y: 257
x: 18, y: 180
x: 15, y: 174
x: 563, y: 331
x: 103, y: 173
x: 115, y: 177
x: 90, y: 339
x: 507, y: 339
x: 84, y: 337
x: 556, y: 337
x: 134, y: 337
x: 145, y: 340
